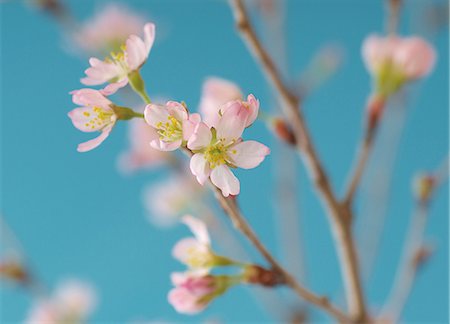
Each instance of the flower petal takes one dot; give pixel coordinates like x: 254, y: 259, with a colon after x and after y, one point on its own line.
x: 184, y: 248
x: 200, y: 167
x: 201, y: 138
x: 113, y: 87
x: 149, y: 36
x: 155, y: 114
x: 232, y: 123
x: 92, y: 144
x: 248, y: 154
x: 90, y: 97
x: 198, y: 228
x: 225, y: 180
x: 165, y: 146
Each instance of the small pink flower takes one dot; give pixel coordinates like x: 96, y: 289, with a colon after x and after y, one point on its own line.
x: 73, y: 301
x: 192, y: 292
x: 195, y: 251
x: 116, y: 68
x: 218, y: 149
x: 108, y: 29
x: 250, y: 107
x: 216, y: 92
x: 168, y: 200
x: 172, y: 122
x: 95, y: 115
x: 410, y: 57
x: 140, y: 155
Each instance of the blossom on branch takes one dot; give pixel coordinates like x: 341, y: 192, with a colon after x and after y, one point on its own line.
x: 196, y: 251
x: 216, y: 150
x: 119, y: 67
x: 215, y: 93
x: 393, y: 61
x: 173, y: 124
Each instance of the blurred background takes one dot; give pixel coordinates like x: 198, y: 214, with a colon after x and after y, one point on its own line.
x: 78, y: 215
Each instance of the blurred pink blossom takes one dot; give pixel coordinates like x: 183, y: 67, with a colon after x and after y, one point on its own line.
x: 218, y: 149
x: 72, y: 302
x: 411, y: 57
x: 140, y: 154
x: 251, y: 106
x: 166, y: 201
x: 192, y: 292
x: 108, y: 29
x: 215, y: 93
x: 195, y: 251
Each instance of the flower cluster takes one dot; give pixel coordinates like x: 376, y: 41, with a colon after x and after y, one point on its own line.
x: 197, y: 287
x: 215, y: 148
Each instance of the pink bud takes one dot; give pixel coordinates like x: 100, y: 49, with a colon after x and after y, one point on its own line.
x: 415, y: 57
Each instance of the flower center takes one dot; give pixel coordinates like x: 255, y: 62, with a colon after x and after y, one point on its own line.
x: 100, y: 117
x: 198, y: 258
x: 216, y: 154
x: 171, y: 130
x: 118, y: 57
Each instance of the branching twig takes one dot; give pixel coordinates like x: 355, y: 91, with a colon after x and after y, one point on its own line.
x: 241, y: 224
x: 414, y: 254
x: 339, y: 216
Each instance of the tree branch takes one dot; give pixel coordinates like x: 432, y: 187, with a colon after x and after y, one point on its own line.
x: 338, y: 216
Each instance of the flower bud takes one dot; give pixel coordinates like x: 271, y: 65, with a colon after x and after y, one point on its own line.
x: 282, y: 130
x: 258, y: 275
x: 14, y: 271
x: 423, y: 187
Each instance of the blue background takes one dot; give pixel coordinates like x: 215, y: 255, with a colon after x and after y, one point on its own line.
x: 77, y: 216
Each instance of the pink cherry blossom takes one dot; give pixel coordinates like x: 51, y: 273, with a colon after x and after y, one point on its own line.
x: 172, y: 122
x: 215, y: 93
x: 96, y: 114
x: 108, y: 29
x: 119, y: 65
x: 195, y: 251
x: 73, y: 301
x: 218, y: 149
x: 250, y: 107
x: 140, y: 154
x: 411, y: 57
x: 192, y: 292
x: 166, y: 201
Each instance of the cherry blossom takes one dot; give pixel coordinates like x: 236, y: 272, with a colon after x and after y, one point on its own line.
x: 168, y: 200
x: 215, y: 93
x: 192, y: 292
x: 72, y: 302
x: 196, y: 251
x: 95, y: 115
x: 173, y: 124
x: 119, y: 66
x: 395, y: 60
x: 140, y: 155
x: 108, y: 29
x: 216, y: 150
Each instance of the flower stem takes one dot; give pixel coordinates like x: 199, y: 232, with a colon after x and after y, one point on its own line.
x: 138, y: 85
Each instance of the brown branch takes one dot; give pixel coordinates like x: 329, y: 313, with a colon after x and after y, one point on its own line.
x: 362, y: 158
x: 241, y: 224
x: 338, y: 216
x: 393, y: 8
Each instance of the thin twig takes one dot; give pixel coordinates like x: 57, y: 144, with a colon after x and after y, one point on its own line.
x: 241, y: 224
x: 361, y: 157
x: 338, y: 216
x: 393, y: 7
x: 414, y: 243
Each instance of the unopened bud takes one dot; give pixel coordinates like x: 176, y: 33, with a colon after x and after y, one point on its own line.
x: 421, y: 256
x: 282, y: 130
x: 13, y: 270
x: 423, y: 187
x: 265, y: 277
